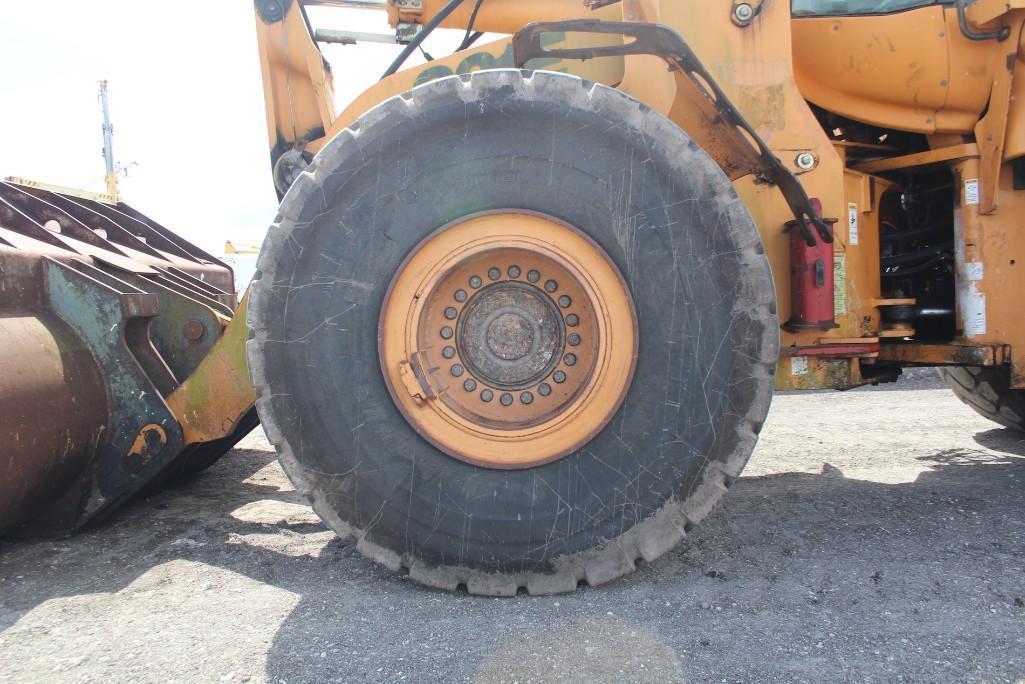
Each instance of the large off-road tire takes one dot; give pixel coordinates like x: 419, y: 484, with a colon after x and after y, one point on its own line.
x: 988, y: 391
x: 668, y: 275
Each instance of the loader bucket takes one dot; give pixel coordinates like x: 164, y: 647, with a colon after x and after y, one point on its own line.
x: 103, y: 315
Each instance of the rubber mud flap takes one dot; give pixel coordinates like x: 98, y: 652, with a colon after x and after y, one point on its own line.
x: 588, y: 156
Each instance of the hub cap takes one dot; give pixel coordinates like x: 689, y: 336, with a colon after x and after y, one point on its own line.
x: 508, y: 340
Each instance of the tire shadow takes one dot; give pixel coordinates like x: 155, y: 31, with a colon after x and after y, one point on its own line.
x: 798, y: 577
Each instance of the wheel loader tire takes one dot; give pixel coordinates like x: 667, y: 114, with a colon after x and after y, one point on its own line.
x: 988, y: 391
x: 477, y: 152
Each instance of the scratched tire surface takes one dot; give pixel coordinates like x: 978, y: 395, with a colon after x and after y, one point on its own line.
x: 587, y: 155
x: 988, y: 391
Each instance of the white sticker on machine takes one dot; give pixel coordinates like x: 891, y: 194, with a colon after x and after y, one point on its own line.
x: 799, y: 365
x: 852, y: 224
x: 971, y: 192
x: 973, y: 271
x: 973, y: 310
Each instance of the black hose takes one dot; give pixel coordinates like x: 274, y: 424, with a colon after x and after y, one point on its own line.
x: 477, y: 35
x: 917, y: 269
x: 419, y: 38
x: 468, y: 39
x: 914, y: 257
x: 900, y: 236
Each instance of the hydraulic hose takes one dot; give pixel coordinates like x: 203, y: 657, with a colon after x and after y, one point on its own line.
x: 422, y: 36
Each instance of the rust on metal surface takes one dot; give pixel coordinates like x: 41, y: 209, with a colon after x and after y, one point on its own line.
x: 53, y: 411
x: 103, y: 313
x: 193, y: 330
x: 217, y: 395
x: 953, y: 354
x: 834, y: 350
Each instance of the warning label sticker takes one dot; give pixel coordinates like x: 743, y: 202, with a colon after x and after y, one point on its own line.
x: 852, y: 224
x: 840, y: 283
x: 971, y: 192
x: 799, y: 365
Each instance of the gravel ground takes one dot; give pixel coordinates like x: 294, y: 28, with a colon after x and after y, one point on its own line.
x: 876, y: 536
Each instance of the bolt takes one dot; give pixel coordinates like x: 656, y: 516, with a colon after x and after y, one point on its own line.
x: 514, y: 271
x: 506, y: 399
x: 194, y: 330
x: 461, y: 296
x: 476, y: 281
x: 559, y: 377
x: 487, y: 395
x: 470, y: 385
x: 457, y: 371
x: 572, y: 320
x: 494, y: 273
x: 447, y: 332
x: 533, y: 276
x: 573, y: 340
x: 806, y: 161
x: 527, y: 398
x: 451, y: 313
x: 565, y: 301
x: 743, y: 13
x: 570, y: 359
x: 448, y: 352
x: 544, y: 389
x: 551, y: 286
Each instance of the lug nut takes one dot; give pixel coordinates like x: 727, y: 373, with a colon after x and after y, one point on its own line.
x: 551, y: 286
x: 559, y: 377
x: 457, y: 371
x: 448, y: 352
x: 494, y: 273
x: 570, y: 359
x: 461, y: 296
x: 506, y: 400
x: 514, y: 272
x: 527, y: 398
x: 544, y: 389
x: 565, y: 301
x: 470, y: 385
x: 476, y: 282
x: 533, y: 276
x: 572, y: 320
x: 487, y: 395
x: 447, y: 333
x: 573, y: 340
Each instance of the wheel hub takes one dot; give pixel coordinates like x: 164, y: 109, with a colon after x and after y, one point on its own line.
x: 508, y: 340
x: 511, y: 334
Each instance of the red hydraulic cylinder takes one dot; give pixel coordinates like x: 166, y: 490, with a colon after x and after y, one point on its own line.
x: 812, y: 303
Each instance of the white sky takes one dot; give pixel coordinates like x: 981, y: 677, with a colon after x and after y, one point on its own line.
x: 186, y: 102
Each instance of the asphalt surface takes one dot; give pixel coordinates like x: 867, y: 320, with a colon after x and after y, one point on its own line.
x: 876, y: 536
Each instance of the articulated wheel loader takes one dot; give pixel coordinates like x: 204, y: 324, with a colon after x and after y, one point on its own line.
x: 519, y: 319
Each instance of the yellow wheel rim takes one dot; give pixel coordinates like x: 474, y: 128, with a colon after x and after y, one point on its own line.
x: 508, y: 340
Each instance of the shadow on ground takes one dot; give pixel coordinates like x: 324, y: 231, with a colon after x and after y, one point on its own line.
x: 797, y: 577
